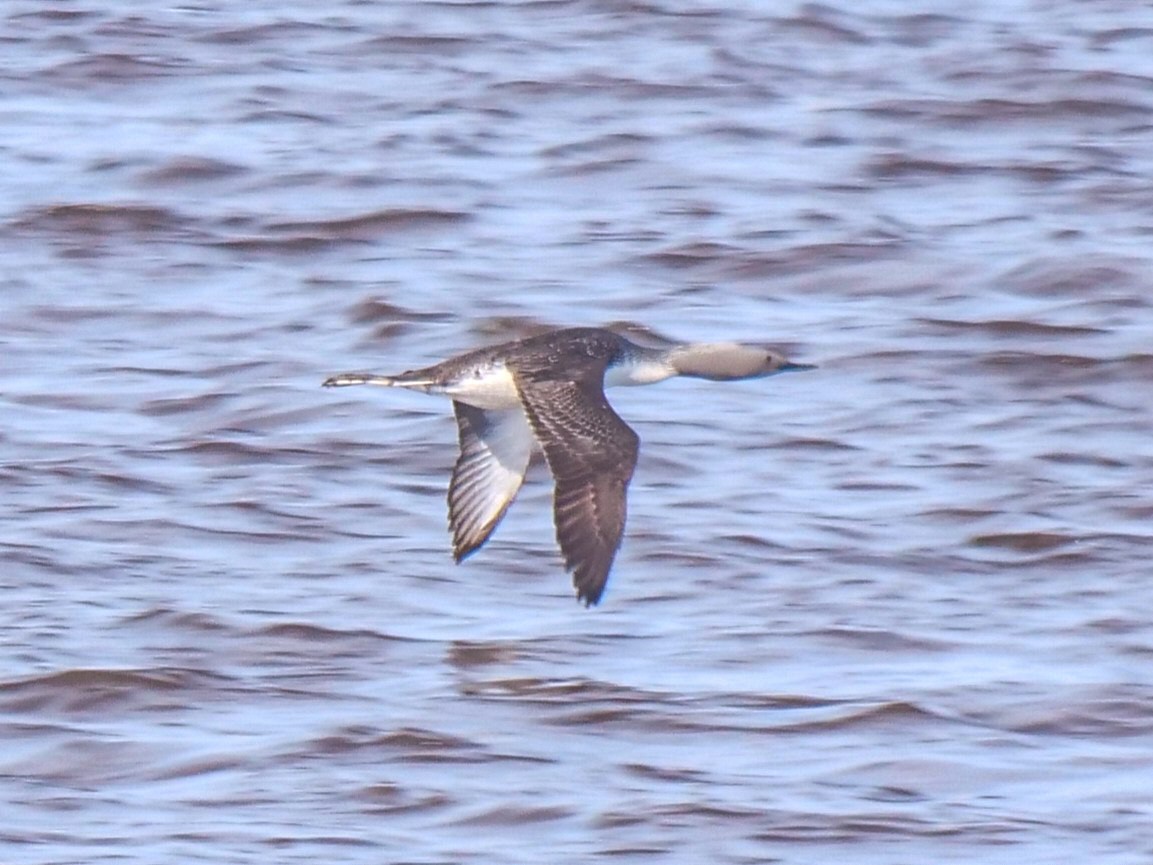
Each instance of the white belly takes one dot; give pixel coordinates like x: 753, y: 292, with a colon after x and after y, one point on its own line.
x: 490, y: 389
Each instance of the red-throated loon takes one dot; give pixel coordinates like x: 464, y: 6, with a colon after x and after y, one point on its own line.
x: 547, y: 391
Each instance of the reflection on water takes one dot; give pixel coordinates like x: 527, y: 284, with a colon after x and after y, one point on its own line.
x: 898, y: 604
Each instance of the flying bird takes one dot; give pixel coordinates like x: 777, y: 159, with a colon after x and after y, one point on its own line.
x: 547, y: 392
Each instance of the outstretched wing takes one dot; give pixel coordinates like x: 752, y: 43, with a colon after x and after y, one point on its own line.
x: 591, y: 453
x: 495, y: 447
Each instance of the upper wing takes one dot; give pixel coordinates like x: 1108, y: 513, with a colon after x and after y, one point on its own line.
x: 495, y: 447
x: 591, y: 453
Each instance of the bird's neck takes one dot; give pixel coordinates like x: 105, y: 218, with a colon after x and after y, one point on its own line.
x: 646, y: 366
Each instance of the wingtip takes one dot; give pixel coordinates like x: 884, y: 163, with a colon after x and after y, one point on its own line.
x: 589, y: 601
x: 459, y: 554
x: 589, y: 592
x: 590, y: 577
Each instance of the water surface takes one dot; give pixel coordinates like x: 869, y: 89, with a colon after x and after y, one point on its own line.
x: 895, y: 609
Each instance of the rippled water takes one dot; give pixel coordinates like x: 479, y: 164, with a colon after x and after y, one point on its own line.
x: 895, y: 610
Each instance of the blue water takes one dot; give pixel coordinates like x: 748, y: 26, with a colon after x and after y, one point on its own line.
x: 894, y: 609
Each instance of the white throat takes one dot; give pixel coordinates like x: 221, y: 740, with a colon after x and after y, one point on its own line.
x: 640, y: 371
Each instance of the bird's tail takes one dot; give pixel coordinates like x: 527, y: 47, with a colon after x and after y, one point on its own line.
x: 415, y: 379
x: 350, y: 378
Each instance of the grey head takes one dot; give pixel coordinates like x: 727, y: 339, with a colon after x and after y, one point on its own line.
x: 729, y: 361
